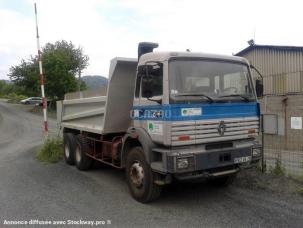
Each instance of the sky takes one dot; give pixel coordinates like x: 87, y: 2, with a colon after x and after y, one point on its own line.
x: 109, y: 28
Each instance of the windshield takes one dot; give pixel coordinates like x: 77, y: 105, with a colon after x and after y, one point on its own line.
x: 209, y: 81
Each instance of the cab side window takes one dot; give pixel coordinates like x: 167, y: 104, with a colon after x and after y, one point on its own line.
x: 138, y: 83
x: 150, y: 79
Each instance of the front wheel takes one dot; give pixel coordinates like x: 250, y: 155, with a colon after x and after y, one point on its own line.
x: 140, y: 178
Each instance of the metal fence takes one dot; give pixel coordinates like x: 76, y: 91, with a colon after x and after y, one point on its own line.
x: 284, y: 153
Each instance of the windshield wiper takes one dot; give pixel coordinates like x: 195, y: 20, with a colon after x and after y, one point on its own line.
x: 211, y: 100
x: 246, y: 99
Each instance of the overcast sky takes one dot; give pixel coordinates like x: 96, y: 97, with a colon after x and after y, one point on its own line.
x: 108, y: 28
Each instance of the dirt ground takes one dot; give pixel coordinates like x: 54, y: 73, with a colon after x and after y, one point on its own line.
x: 30, y: 189
x: 276, y: 184
x: 37, y: 110
x: 252, y: 179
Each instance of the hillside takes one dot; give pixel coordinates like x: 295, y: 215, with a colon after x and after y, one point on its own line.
x: 6, y: 81
x: 95, y: 81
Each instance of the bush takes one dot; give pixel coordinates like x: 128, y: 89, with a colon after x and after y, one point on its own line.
x: 14, y: 98
x: 278, y: 170
x: 51, y: 151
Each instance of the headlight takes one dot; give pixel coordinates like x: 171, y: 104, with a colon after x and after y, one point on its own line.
x: 185, y: 163
x: 182, y: 163
x: 256, y: 152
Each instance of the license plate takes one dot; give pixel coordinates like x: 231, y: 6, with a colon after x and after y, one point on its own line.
x: 242, y: 159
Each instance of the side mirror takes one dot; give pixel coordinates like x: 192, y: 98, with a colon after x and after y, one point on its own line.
x: 259, y: 83
x: 259, y: 88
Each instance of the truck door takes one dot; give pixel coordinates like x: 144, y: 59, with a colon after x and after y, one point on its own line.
x: 148, y: 92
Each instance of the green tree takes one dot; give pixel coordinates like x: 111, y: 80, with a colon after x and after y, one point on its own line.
x: 7, y: 88
x: 26, y: 76
x: 61, y: 63
x: 2, y: 87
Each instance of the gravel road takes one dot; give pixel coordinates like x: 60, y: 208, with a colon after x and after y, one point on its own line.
x: 32, y: 190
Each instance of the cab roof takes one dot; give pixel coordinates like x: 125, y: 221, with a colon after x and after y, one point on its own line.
x: 164, y: 56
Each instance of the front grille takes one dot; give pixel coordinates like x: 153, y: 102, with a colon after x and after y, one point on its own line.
x: 206, y: 131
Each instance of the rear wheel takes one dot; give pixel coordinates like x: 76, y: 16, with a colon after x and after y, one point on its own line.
x: 140, y: 178
x: 69, y: 148
x: 83, y: 162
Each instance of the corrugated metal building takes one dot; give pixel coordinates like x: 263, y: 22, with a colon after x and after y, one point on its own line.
x: 281, y: 66
x: 282, y: 69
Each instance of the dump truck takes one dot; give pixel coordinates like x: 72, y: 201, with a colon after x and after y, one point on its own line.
x: 167, y: 116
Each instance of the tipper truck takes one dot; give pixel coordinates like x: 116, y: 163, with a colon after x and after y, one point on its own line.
x: 167, y: 116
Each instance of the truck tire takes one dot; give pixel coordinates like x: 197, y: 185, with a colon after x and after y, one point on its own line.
x: 69, y: 148
x: 223, y: 181
x: 83, y: 162
x: 140, y: 178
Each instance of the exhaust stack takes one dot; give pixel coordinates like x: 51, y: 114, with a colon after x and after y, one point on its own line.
x: 146, y: 47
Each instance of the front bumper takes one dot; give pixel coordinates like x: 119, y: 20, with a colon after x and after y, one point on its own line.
x: 199, y: 161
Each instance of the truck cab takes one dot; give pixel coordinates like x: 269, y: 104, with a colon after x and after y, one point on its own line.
x: 200, y: 113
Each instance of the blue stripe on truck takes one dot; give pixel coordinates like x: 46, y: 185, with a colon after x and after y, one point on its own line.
x: 181, y: 112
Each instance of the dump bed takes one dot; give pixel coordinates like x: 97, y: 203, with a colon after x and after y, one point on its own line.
x: 103, y: 114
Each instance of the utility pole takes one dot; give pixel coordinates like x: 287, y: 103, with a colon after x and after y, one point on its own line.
x: 79, y: 84
x: 44, y: 105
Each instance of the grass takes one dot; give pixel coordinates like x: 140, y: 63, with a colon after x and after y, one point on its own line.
x: 51, y: 151
x: 259, y: 167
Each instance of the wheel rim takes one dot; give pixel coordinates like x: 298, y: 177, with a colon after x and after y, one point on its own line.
x: 66, y: 151
x: 78, y: 154
x: 136, y: 174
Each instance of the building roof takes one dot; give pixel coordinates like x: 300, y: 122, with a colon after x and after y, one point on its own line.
x: 275, y: 47
x: 164, y: 56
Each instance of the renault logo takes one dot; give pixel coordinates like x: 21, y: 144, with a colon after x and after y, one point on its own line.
x: 221, y: 128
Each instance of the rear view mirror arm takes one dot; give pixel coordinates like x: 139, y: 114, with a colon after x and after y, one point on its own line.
x: 253, y: 67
